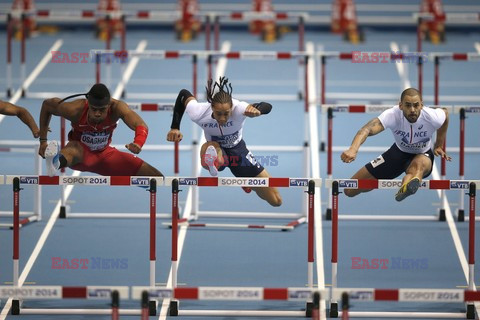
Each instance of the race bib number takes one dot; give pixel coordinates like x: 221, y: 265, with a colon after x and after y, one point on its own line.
x: 95, y: 140
x: 378, y: 161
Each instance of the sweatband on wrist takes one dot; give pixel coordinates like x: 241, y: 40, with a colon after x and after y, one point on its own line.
x: 263, y: 107
x: 141, y: 134
x: 42, y: 139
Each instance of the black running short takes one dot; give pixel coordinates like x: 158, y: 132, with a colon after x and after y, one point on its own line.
x: 393, y: 163
x: 241, y: 161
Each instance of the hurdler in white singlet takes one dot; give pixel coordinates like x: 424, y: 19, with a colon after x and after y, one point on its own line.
x: 413, y: 137
x: 227, y: 135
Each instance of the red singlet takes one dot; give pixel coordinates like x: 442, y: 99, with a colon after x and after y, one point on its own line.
x: 98, y: 156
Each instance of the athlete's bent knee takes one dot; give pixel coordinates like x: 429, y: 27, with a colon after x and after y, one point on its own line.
x: 276, y: 201
x: 350, y: 192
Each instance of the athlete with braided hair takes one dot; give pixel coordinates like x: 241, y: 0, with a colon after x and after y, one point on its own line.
x: 222, y: 119
x: 93, y: 121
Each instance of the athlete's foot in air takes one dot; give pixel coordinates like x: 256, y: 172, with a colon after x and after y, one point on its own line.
x: 211, y: 159
x: 407, y: 189
x: 247, y: 189
x: 52, y: 155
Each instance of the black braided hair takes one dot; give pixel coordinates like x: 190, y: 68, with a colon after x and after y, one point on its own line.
x: 224, y: 94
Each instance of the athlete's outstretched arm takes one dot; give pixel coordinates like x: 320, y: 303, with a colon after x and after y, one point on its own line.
x: 441, y: 134
x: 257, y: 109
x: 9, y: 109
x: 373, y: 127
x: 183, y: 98
x: 134, y: 122
x: 68, y: 110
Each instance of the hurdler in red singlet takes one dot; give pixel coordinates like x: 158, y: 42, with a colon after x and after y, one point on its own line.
x: 93, y: 121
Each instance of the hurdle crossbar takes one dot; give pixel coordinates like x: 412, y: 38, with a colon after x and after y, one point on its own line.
x: 62, y: 292
x: 167, y: 181
x: 298, y: 218
x: 209, y: 56
x: 226, y: 293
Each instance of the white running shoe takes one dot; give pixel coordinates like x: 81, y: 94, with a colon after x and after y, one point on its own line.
x: 210, y: 158
x: 52, y: 155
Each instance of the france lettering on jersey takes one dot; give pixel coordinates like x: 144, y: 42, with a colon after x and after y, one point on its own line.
x: 413, y: 137
x: 229, y: 134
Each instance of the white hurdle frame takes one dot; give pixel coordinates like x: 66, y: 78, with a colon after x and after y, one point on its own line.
x: 25, y: 146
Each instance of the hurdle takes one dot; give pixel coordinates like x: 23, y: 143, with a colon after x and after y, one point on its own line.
x: 18, y: 181
x: 25, y: 147
x: 463, y: 111
x: 300, y: 17
x: 174, y: 309
x: 205, y: 55
x: 113, y: 293
x: 454, y: 57
x: 470, y: 185
x: 450, y: 18
x: 206, y: 293
x: 404, y: 295
x: 247, y: 182
x: 396, y: 184
x: 42, y: 16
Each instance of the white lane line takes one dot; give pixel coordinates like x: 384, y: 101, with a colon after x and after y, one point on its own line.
x: 454, y: 232
x: 41, y: 65
x: 400, y: 67
x: 221, y: 67
x: 56, y: 211
x: 316, y: 169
